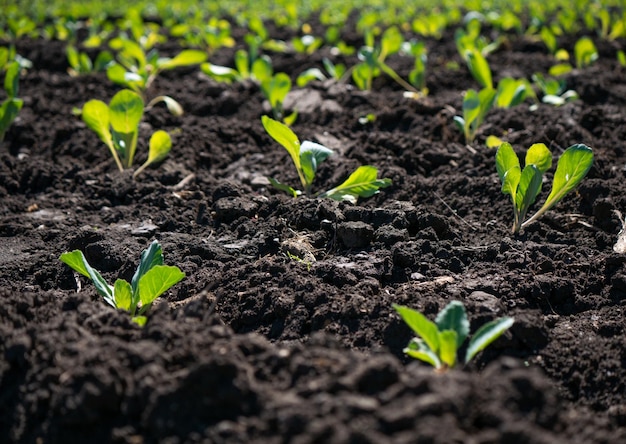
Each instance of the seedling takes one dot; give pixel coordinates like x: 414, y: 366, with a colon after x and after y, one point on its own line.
x: 306, y: 158
x: 80, y: 63
x: 135, y: 69
x: 12, y: 105
x: 585, y: 52
x: 438, y: 343
x: 333, y: 71
x: 117, y: 125
x: 247, y: 66
x: 151, y: 280
x: 476, y: 105
x: 511, y: 92
x: 525, y: 185
x: 554, y: 91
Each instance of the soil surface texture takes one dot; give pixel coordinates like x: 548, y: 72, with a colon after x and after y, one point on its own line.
x: 283, y: 330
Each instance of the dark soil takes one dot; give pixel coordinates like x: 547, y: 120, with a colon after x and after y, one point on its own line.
x: 255, y: 346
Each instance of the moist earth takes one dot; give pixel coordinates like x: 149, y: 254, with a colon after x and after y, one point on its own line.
x: 283, y: 329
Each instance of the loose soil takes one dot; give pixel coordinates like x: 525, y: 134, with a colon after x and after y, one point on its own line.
x: 255, y: 345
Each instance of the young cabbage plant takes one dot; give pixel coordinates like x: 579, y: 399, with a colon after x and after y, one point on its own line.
x: 438, y: 343
x: 247, y: 66
x: 308, y: 156
x: 476, y: 105
x: 151, y: 280
x: 373, y: 61
x: 117, y: 125
x: 136, y: 70
x: 554, y: 91
x: 511, y: 92
x: 585, y: 52
x: 335, y: 72
x: 524, y: 185
x: 80, y: 63
x: 11, y: 106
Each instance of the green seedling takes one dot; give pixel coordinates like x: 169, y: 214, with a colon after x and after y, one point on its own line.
x: 585, y: 52
x: 335, y: 72
x: 307, y: 44
x: 136, y: 70
x: 117, y: 125
x: 80, y: 63
x: 11, y: 106
x: 275, y: 90
x: 210, y: 36
x: 476, y: 105
x: 151, y: 280
x: 308, y: 156
x: 438, y: 343
x: 417, y: 76
x: 247, y: 66
x: 554, y: 91
x: 511, y: 92
x: 373, y: 61
x: 525, y: 185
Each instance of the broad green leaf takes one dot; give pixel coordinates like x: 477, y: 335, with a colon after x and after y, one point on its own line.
x: 425, y: 329
x: 220, y: 73
x: 508, y: 167
x: 391, y: 41
x: 131, y: 50
x: 283, y: 187
x: 479, y: 67
x: 540, y: 156
x: 104, y: 59
x: 123, y: 294
x: 77, y: 262
x: 8, y: 112
x: 362, y: 76
x: 309, y: 75
x: 418, y: 349
x: 528, y: 189
x: 276, y: 88
x: 453, y: 317
x: 125, y: 111
x: 11, y: 80
x: 287, y: 138
x: 486, y: 335
x: 242, y: 63
x: 117, y: 74
x: 471, y: 106
x: 96, y: 116
x: 184, y: 58
x: 493, y: 141
x: 448, y: 340
x: 311, y: 155
x: 511, y: 92
x: 560, y: 69
x: 362, y: 183
x: 157, y: 281
x: 585, y: 51
x: 572, y: 167
x: 262, y: 69
x: 150, y: 257
x: 72, y: 56
x: 160, y: 146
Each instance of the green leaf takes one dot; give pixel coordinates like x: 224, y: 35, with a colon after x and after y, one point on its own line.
x: 486, y: 335
x: 308, y: 76
x: 11, y: 80
x: 493, y: 141
x: 184, y: 58
x: 125, y: 112
x: 157, y: 281
x: 448, y: 340
x: 77, y: 262
x: 123, y: 294
x: 509, y: 170
x: 150, y: 257
x: 276, y: 88
x: 288, y: 139
x: 361, y: 183
x: 283, y: 187
x: 573, y: 166
x: 391, y: 41
x: 453, y: 317
x: 471, y: 107
x: 311, y: 155
x: 220, y: 73
x: 585, y: 51
x: 479, y: 67
x: 96, y: 116
x: 528, y: 189
x: 362, y: 76
x: 117, y: 74
x: 424, y: 328
x: 262, y: 69
x: 242, y: 63
x: 139, y: 320
x: 8, y: 112
x: 160, y: 146
x: 418, y: 349
x: 540, y: 156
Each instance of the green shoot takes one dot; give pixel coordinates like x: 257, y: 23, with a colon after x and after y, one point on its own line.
x: 80, y: 63
x: 307, y: 156
x: 554, y: 91
x: 585, y: 52
x: 437, y: 343
x: 476, y: 105
x: 511, y: 92
x: 117, y: 125
x: 12, y: 105
x: 525, y: 185
x: 151, y: 280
